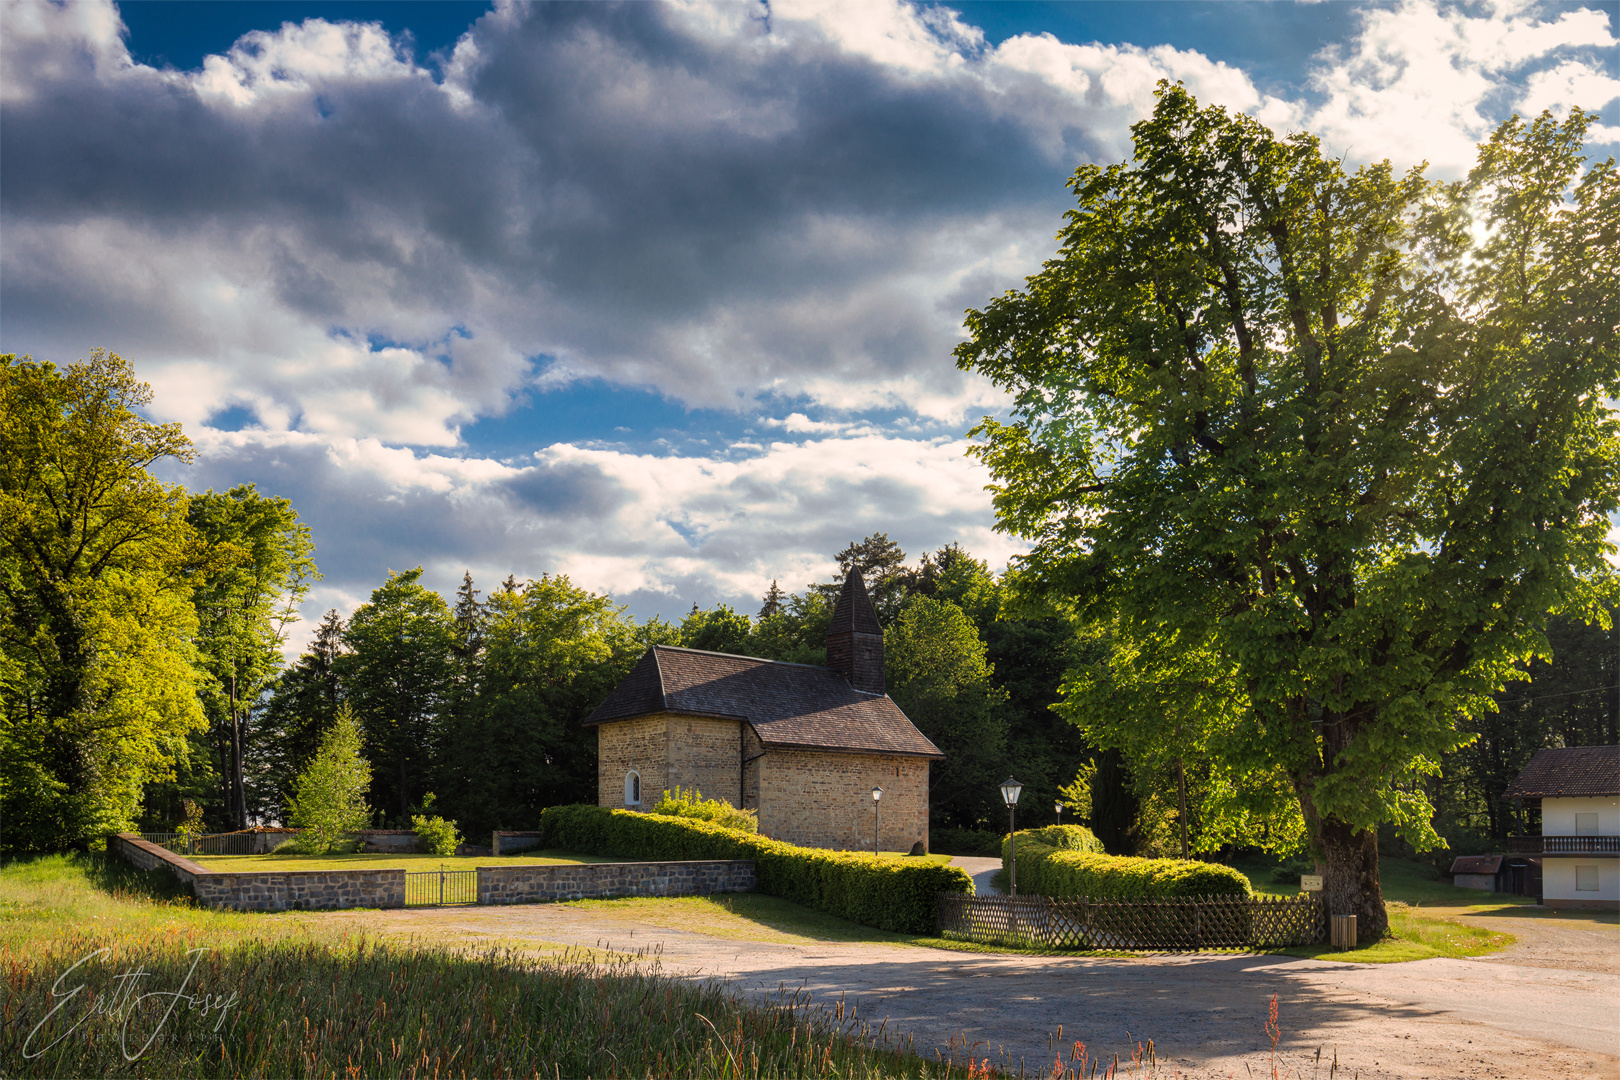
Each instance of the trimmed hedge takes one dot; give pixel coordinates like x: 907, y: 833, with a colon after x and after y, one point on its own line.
x: 1052, y: 870
x: 890, y: 894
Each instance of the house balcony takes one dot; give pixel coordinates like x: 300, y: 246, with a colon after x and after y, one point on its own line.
x: 1564, y: 845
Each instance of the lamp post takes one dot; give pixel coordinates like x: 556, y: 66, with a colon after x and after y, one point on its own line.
x: 877, y: 796
x: 1010, y: 790
x: 1058, y: 806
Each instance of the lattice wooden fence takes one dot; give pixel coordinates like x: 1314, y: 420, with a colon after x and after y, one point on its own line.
x: 1210, y: 922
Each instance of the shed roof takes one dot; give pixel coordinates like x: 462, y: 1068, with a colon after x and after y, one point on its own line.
x: 1568, y: 771
x: 1476, y: 864
x: 788, y: 705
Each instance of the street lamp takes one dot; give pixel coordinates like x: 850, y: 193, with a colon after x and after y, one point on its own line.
x: 877, y: 796
x: 1010, y: 790
x: 1058, y: 806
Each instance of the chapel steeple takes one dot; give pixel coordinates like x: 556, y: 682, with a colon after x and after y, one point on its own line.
x: 855, y: 637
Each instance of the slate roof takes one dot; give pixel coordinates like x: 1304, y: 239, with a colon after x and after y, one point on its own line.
x: 1571, y: 771
x: 854, y: 613
x: 788, y: 705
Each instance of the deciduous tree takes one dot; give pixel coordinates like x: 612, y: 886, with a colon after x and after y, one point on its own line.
x: 1299, y: 426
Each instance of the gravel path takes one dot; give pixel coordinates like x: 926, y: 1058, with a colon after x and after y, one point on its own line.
x: 1432, y: 1018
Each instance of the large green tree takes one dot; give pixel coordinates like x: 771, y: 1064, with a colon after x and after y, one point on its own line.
x: 399, y: 677
x: 262, y: 570
x: 552, y: 652
x: 97, y: 562
x: 1339, y: 438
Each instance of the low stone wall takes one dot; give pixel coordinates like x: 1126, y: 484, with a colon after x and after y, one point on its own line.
x: 388, y: 839
x: 301, y: 890
x: 504, y: 843
x: 149, y: 856
x: 582, y: 881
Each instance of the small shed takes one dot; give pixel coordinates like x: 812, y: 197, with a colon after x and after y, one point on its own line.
x: 1477, y: 872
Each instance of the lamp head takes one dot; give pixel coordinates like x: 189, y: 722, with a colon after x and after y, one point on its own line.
x: 877, y: 793
x: 1010, y: 790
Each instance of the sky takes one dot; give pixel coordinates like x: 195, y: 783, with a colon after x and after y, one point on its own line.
x: 658, y: 296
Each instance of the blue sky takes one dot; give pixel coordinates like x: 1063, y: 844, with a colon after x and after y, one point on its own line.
x: 660, y: 297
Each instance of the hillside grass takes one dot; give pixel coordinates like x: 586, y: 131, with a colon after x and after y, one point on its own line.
x: 288, y: 994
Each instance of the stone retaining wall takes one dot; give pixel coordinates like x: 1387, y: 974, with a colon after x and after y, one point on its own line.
x: 301, y: 890
x: 149, y: 856
x: 582, y: 881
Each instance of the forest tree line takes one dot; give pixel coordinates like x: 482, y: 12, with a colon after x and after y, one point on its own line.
x: 143, y: 640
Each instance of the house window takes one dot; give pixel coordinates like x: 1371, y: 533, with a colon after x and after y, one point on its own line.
x: 1586, y: 879
x: 632, y: 788
x: 1586, y: 825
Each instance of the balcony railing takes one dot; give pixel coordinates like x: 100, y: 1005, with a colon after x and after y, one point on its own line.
x: 1564, y: 845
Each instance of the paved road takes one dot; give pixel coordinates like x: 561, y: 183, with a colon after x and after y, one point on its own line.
x: 1432, y: 1018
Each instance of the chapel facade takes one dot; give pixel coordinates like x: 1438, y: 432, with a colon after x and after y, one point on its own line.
x: 803, y: 746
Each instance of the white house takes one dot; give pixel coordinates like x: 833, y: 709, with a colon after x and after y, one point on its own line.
x: 1578, y: 788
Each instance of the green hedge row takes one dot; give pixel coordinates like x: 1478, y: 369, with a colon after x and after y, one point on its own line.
x: 1071, y: 866
x: 890, y: 894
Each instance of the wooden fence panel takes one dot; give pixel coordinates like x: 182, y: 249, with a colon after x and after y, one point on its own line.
x: 1195, y: 923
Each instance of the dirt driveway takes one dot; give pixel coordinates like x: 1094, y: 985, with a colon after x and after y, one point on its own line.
x: 1431, y: 1018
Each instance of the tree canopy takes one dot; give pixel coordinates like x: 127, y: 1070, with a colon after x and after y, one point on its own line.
x: 1317, y: 449
x: 97, y: 561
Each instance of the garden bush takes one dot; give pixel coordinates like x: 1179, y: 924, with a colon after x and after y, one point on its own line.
x: 890, y: 894
x: 1068, y: 865
x: 690, y: 803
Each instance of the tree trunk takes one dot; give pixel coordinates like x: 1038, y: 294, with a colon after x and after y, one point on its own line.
x: 1350, y: 885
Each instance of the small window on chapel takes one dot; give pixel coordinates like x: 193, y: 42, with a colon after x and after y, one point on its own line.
x: 1585, y: 824
x: 632, y: 789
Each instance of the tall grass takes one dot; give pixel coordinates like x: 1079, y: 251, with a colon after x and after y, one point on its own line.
x: 359, y: 1008
x: 143, y: 983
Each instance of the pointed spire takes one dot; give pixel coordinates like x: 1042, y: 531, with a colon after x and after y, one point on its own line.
x: 855, y: 637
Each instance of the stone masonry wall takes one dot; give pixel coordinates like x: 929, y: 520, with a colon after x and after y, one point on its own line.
x: 529, y: 884
x: 504, y: 843
x: 818, y: 799
x: 641, y: 744
x: 706, y: 755
x: 148, y: 856
x: 268, y: 890
x: 668, y: 751
x: 301, y: 890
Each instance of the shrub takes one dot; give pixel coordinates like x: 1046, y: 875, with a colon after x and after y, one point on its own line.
x: 890, y: 894
x: 1078, y: 869
x: 330, y: 800
x: 690, y: 803
x: 964, y: 842
x: 434, y: 835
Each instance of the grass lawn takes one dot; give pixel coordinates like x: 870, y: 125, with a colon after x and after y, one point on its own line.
x: 383, y: 860
x: 232, y: 994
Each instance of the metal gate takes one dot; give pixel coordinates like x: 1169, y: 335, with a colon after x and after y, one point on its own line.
x: 435, y: 887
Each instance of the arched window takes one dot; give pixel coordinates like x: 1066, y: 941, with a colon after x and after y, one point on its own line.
x: 632, y: 788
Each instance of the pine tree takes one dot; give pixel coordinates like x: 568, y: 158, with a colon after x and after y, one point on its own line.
x: 773, y: 601
x: 331, y: 798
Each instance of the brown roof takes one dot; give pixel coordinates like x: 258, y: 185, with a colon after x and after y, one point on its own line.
x: 788, y: 705
x: 1572, y: 770
x: 1476, y: 864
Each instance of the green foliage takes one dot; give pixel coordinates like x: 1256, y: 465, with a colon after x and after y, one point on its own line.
x: 398, y: 677
x: 1315, y: 452
x: 261, y: 569
x: 331, y: 791
x: 690, y: 803
x: 550, y: 653
x: 97, y: 562
x: 1056, y: 861
x: 435, y: 835
x: 717, y: 630
x: 939, y: 677
x: 890, y: 894
x: 191, y: 824
x: 300, y: 707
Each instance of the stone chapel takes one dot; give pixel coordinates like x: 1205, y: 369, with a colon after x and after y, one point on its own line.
x: 803, y: 746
